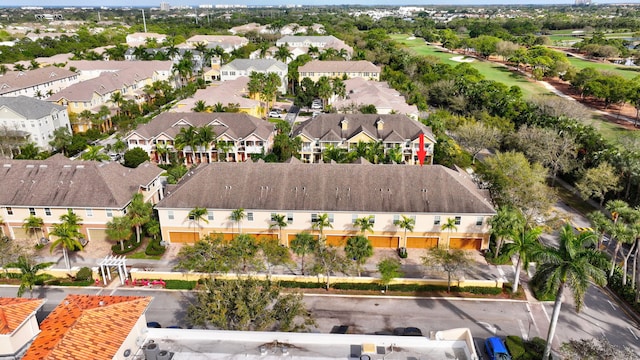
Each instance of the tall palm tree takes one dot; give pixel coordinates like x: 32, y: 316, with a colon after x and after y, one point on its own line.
x: 600, y: 224
x: 119, y: 230
x: 358, y: 248
x: 339, y: 88
x: 279, y: 221
x: 29, y: 273
x: 205, y: 136
x: 572, y: 264
x: 68, y: 238
x: 200, y: 106
x: 449, y: 226
x: 364, y: 224
x: 525, y: 242
x: 618, y: 232
x: 196, y: 215
x: 406, y: 223
x: 237, y: 216
x: 71, y: 218
x: 322, y: 222
x: 117, y: 99
x: 503, y: 225
x: 94, y: 153
x: 223, y: 147
x: 302, y: 244
x: 283, y: 53
x: 139, y: 213
x: 32, y: 225
x: 187, y: 137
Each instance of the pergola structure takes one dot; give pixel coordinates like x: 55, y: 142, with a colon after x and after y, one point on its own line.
x: 120, y: 262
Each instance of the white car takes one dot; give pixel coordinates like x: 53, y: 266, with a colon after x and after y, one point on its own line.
x: 316, y: 105
x: 274, y: 114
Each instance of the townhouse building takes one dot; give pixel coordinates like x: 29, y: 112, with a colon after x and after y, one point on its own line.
x: 320, y: 42
x: 430, y: 195
x: 237, y: 136
x: 226, y: 42
x: 37, y: 118
x: 362, y: 92
x: 316, y: 69
x: 244, y: 67
x: 95, y: 191
x: 37, y: 83
x: 229, y: 93
x: 140, y: 38
x: 345, y: 131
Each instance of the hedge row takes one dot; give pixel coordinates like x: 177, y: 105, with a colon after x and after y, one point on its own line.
x: 625, y: 292
x: 396, y: 287
x: 525, y: 350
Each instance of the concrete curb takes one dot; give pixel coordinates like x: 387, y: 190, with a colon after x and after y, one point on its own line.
x: 396, y: 297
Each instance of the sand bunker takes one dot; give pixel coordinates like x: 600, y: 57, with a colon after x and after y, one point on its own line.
x: 462, y: 59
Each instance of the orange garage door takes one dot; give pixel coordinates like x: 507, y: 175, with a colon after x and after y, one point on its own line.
x: 384, y: 241
x: 465, y: 243
x: 183, y: 237
x: 336, y: 240
x: 422, y: 242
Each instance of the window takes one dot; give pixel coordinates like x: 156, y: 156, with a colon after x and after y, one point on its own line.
x: 210, y: 215
x: 191, y: 216
x: 436, y: 220
x: 458, y: 218
x: 290, y: 218
x: 47, y: 211
x: 9, y: 211
x: 314, y: 218
x: 170, y: 214
x: 372, y: 219
x: 109, y: 213
x: 479, y: 220
x: 330, y: 218
x: 32, y: 211
x: 396, y: 219
x: 354, y: 217
x: 249, y: 216
x: 89, y: 212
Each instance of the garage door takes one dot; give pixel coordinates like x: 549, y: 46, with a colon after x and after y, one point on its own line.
x: 336, y: 240
x: 97, y: 234
x: 465, y: 243
x: 422, y: 242
x: 20, y: 233
x: 261, y: 237
x: 384, y: 241
x: 183, y: 237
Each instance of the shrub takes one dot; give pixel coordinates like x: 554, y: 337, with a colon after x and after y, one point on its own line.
x: 154, y: 248
x: 515, y: 345
x: 84, y: 274
x: 129, y: 246
x: 402, y: 252
x: 301, y: 285
x: 180, y: 284
x: 72, y: 283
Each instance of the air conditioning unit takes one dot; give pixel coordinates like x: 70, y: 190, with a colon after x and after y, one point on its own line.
x: 151, y: 351
x: 163, y: 355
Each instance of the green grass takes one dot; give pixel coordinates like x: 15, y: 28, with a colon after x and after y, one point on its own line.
x: 610, y: 131
x: 489, y: 70
x: 142, y: 256
x: 573, y: 200
x: 628, y: 72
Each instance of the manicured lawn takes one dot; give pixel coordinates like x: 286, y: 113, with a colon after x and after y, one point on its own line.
x: 628, y: 72
x: 141, y: 255
x: 609, y: 131
x: 490, y: 70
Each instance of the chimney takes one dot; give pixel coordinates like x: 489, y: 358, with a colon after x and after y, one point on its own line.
x: 380, y: 124
x: 344, y: 124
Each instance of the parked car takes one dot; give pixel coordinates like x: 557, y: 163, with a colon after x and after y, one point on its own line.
x: 274, y: 114
x: 154, y: 324
x: 408, y: 331
x: 496, y: 349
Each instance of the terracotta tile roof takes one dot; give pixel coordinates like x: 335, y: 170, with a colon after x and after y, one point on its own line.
x: 14, y: 312
x: 71, y: 330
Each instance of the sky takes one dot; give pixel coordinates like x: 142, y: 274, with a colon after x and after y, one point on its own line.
x: 156, y: 3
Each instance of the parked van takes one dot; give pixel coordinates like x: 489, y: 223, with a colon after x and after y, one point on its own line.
x: 496, y: 349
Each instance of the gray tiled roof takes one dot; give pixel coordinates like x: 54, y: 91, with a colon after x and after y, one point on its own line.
x: 396, y: 127
x: 60, y: 182
x: 257, y: 64
x: 236, y: 125
x: 296, y: 186
x: 301, y: 38
x: 28, y: 107
x: 339, y: 66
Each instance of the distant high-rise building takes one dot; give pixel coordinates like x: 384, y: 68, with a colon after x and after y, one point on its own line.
x: 582, y: 2
x: 164, y: 6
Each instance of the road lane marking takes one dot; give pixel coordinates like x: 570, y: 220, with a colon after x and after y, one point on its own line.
x: 525, y: 336
x: 612, y: 305
x: 632, y: 332
x: 533, y: 320
x: 490, y: 328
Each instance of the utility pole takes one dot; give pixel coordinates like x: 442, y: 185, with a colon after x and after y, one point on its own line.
x: 144, y: 21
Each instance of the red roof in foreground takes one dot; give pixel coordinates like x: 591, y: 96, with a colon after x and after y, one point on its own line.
x: 14, y: 311
x: 87, y: 327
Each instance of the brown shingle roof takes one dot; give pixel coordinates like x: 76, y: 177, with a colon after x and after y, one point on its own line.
x: 14, y: 312
x: 339, y: 66
x: 87, y: 327
x: 61, y: 182
x: 14, y: 80
x: 329, y: 187
x: 403, y: 126
x: 236, y: 125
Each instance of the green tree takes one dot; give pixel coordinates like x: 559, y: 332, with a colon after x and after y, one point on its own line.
x: 302, y: 244
x: 572, y: 264
x: 600, y: 224
x: 244, y: 252
x: 322, y: 222
x: 33, y: 225
x: 283, y: 53
x: 359, y: 249
x: 139, y: 213
x: 237, y: 216
x: 207, y: 255
x: 274, y: 254
x: 119, y: 230
x: 503, y: 225
x: 134, y: 157
x: 451, y: 261
x: 524, y: 243
x: 364, y: 224
x: 94, y: 153
x: 476, y: 136
x: 595, y: 349
x: 61, y: 140
x: 196, y: 215
x: 248, y: 305
x: 405, y: 223
x: 597, y: 182
x: 327, y: 261
x: 29, y: 273
x: 279, y: 221
x: 200, y: 106
x: 449, y: 226
x: 68, y: 238
x: 389, y: 269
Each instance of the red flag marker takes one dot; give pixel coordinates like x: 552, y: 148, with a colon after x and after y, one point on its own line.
x: 421, y: 152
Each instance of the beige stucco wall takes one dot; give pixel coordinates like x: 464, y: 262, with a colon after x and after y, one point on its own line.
x: 12, y: 343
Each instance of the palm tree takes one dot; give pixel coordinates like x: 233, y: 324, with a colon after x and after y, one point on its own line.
x: 187, y: 137
x: 572, y: 264
x: 358, y: 248
x: 283, y: 53
x: 279, y: 221
x: 94, y: 153
x: 19, y: 67
x: 139, y: 213
x: 365, y: 224
x: 618, y: 231
x: 237, y: 216
x: 67, y: 236
x: 339, y: 88
x: 119, y: 230
x: 600, y: 224
x: 503, y: 225
x: 196, y: 215
x: 29, y: 273
x: 223, y: 147
x: 406, y: 223
x: 205, y: 136
x: 322, y: 222
x: 450, y: 226
x: 32, y: 225
x: 303, y: 243
x: 200, y: 106
x: 525, y: 242
x: 117, y: 99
